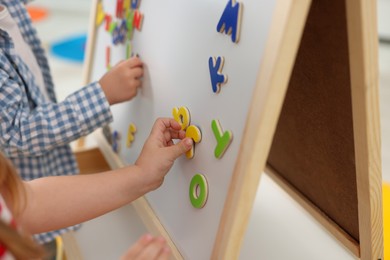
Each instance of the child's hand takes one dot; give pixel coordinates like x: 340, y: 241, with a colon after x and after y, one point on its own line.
x: 122, y: 81
x: 159, y: 151
x: 148, y: 247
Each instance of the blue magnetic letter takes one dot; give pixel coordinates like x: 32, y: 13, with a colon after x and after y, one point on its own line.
x: 135, y: 4
x: 215, y: 67
x: 230, y: 20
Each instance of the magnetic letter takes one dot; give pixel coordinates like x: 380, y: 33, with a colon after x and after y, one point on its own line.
x: 108, y: 58
x: 108, y: 19
x: 223, y: 139
x: 194, y: 133
x: 137, y: 22
x: 135, y: 4
x: 199, y: 191
x: 230, y: 21
x: 217, y: 79
x: 130, y: 134
x: 182, y: 116
x: 119, y: 9
x: 100, y: 15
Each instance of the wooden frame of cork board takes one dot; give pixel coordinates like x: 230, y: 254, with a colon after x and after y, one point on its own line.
x: 326, y: 148
x: 328, y: 125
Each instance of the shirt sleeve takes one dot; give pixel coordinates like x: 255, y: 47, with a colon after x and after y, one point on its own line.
x: 29, y: 132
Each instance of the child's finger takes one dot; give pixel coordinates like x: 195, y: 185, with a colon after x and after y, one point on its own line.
x: 153, y: 250
x: 170, y: 123
x: 137, y: 72
x: 165, y: 254
x: 167, y: 136
x: 162, y: 124
x: 137, y: 83
x: 180, y: 148
x: 174, y: 134
x: 120, y: 62
x: 134, y: 62
x: 138, y: 247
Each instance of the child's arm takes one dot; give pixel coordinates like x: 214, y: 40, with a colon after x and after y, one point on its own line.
x: 35, y: 131
x: 57, y: 202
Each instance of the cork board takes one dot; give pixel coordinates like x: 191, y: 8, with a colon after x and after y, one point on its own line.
x: 314, y: 147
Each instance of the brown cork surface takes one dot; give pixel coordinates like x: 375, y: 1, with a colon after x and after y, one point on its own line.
x: 313, y: 147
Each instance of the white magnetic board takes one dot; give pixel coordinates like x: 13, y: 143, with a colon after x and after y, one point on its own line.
x: 176, y: 40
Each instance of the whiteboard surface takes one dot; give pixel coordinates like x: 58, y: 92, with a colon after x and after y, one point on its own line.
x: 175, y: 43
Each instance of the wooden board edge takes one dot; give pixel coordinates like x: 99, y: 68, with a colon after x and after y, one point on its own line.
x: 141, y: 205
x: 89, y: 56
x: 112, y: 158
x: 280, y: 52
x: 153, y: 224
x: 71, y: 247
x: 91, y: 161
x: 363, y: 49
x: 90, y: 45
x: 344, y: 238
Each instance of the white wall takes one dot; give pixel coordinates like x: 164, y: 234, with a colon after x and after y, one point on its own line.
x: 384, y: 18
x: 68, y: 5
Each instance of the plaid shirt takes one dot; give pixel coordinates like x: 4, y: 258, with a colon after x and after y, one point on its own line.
x: 35, y: 133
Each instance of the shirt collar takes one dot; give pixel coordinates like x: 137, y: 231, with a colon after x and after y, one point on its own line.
x: 5, y: 41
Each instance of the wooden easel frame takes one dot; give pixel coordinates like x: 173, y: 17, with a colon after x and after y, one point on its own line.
x: 274, y: 75
x: 363, y: 44
x: 363, y: 60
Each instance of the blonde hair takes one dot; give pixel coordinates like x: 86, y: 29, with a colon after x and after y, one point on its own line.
x: 11, y: 187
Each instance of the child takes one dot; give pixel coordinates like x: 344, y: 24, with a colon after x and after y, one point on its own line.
x: 75, y: 199
x: 35, y: 130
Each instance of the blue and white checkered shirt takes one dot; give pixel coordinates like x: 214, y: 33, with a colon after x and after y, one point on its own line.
x: 34, y: 132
